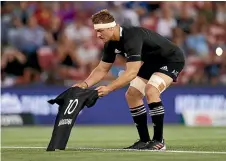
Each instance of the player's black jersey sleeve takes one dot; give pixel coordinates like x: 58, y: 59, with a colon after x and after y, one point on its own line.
x: 133, y: 43
x: 109, y: 54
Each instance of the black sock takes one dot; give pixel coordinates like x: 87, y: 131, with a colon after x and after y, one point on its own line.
x: 157, y: 115
x: 139, y: 115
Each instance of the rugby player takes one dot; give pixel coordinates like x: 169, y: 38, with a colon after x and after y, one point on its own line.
x: 153, y: 63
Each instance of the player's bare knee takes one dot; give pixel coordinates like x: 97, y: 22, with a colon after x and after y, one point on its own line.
x: 133, y: 93
x: 151, y: 92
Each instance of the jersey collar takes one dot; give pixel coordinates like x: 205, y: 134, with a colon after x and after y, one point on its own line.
x: 121, y: 31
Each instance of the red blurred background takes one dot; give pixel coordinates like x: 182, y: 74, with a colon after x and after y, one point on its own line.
x: 54, y: 42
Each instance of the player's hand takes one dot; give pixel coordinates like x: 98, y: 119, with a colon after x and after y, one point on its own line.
x: 83, y: 85
x: 103, y: 91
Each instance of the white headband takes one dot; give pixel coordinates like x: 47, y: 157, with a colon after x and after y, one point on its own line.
x: 104, y: 26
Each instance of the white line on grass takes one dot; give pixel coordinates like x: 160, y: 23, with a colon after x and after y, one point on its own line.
x: 102, y: 149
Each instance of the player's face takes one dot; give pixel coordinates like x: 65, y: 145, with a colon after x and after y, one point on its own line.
x: 105, y: 34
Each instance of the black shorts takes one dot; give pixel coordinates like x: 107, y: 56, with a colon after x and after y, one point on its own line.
x: 171, y: 69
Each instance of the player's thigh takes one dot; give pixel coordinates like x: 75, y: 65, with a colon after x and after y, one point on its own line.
x: 145, y: 72
x: 167, y: 73
x: 137, y: 85
x: 159, y: 75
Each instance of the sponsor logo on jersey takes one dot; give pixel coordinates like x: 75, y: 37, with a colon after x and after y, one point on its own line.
x: 117, y: 51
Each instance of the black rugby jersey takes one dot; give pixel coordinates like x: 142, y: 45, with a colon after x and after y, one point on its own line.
x: 138, y: 43
x: 70, y: 102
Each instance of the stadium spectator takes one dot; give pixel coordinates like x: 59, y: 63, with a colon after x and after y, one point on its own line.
x: 150, y: 21
x: 33, y: 29
x: 23, y: 11
x: 14, y: 68
x: 78, y: 31
x: 70, y: 66
x: 197, y: 42
x: 31, y: 37
x: 55, y: 28
x: 13, y: 34
x: 65, y: 11
x: 166, y: 23
x: 88, y: 54
x: 43, y: 14
x: 184, y: 20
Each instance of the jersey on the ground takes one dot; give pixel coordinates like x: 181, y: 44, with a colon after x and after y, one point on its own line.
x: 70, y: 102
x: 140, y: 44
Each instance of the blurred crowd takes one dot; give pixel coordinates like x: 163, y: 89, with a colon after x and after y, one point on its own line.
x: 54, y: 42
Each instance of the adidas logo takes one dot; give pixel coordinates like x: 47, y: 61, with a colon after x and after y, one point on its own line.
x: 117, y: 51
x: 164, y: 68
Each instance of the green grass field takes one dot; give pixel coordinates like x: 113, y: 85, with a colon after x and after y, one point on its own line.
x: 183, y: 144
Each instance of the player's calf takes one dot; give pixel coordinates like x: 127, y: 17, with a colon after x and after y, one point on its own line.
x: 138, y: 112
x: 156, y: 85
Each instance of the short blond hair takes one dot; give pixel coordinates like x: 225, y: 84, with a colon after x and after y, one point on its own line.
x: 102, y: 16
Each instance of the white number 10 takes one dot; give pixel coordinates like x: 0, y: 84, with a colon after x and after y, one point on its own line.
x: 69, y: 110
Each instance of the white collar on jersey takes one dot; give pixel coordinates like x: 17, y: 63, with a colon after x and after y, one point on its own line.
x: 121, y: 31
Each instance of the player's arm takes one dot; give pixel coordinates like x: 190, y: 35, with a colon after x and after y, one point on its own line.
x: 102, y: 68
x: 98, y: 73
x: 130, y: 73
x: 133, y: 48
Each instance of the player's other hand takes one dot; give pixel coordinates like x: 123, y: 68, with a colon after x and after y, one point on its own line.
x: 103, y: 91
x: 81, y: 85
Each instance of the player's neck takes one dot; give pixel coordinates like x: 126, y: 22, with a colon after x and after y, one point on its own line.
x: 116, y: 35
